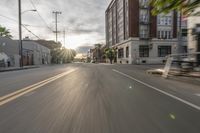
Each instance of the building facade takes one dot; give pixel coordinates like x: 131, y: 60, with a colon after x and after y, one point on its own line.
x: 9, y: 53
x: 33, y: 53
x: 140, y: 37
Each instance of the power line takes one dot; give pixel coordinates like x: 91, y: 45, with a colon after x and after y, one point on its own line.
x: 40, y: 15
x: 8, y: 18
x: 31, y: 32
x: 23, y: 25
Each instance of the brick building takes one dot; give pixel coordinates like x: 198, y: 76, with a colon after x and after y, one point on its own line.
x: 140, y: 37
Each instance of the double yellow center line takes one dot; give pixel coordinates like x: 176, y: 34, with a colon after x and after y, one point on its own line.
x: 12, y: 96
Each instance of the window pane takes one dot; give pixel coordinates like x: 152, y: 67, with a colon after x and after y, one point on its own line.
x: 144, y: 51
x: 164, y: 51
x: 127, y: 52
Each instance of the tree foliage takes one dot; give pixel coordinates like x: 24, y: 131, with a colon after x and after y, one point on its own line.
x: 58, y: 53
x: 110, y: 53
x: 98, y: 51
x: 5, y: 32
x: 187, y: 7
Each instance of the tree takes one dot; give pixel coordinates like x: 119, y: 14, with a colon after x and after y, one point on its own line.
x: 5, y: 32
x: 187, y: 7
x: 97, y: 49
x: 58, y: 53
x: 111, y: 54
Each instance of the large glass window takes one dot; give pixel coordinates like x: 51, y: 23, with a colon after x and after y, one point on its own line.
x: 144, y: 51
x: 121, y: 53
x: 164, y: 51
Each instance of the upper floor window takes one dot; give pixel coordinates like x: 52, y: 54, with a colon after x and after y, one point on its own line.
x: 164, y: 20
x: 184, y: 32
x: 144, y: 33
x: 144, y: 18
x: 144, y: 3
x: 164, y: 34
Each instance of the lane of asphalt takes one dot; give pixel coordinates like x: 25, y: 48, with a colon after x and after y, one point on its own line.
x: 95, y: 99
x: 180, y: 89
x: 16, y: 80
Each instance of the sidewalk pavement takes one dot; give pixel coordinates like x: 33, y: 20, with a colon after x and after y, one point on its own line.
x: 17, y: 68
x: 189, y: 77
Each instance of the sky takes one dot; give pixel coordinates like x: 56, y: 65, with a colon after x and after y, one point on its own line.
x: 83, y: 20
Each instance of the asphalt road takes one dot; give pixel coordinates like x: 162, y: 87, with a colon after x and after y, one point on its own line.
x: 97, y: 98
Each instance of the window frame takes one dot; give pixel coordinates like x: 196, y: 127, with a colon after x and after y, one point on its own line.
x: 163, y: 51
x: 127, y: 52
x: 143, y: 51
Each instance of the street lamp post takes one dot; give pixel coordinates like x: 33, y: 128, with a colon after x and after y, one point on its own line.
x: 20, y: 31
x: 33, y: 10
x: 20, y: 34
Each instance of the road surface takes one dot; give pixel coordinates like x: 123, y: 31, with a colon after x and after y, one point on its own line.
x: 96, y: 98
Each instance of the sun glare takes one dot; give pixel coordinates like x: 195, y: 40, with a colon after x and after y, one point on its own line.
x: 74, y: 41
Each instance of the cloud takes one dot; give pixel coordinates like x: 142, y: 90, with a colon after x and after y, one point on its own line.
x: 79, y: 17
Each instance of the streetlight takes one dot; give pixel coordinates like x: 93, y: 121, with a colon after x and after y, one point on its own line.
x: 20, y: 31
x: 33, y: 10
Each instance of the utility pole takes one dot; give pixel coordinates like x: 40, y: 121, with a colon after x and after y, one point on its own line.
x: 20, y: 34
x: 64, y: 36
x: 56, y: 23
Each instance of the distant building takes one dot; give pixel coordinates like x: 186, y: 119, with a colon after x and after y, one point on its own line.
x: 140, y: 37
x: 97, y: 53
x: 33, y: 53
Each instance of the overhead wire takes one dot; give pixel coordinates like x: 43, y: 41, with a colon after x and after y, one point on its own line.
x: 23, y: 25
x: 34, y: 6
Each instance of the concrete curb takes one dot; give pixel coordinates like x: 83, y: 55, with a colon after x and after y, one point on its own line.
x: 181, y: 77
x: 18, y: 69
x: 191, y: 80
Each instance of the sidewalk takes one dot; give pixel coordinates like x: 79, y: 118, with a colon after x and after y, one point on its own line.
x: 17, y: 68
x: 189, y: 77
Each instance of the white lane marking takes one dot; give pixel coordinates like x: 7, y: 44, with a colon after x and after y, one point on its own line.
x: 161, y: 91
